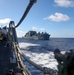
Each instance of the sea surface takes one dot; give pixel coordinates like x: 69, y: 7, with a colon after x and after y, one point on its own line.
x: 41, y: 51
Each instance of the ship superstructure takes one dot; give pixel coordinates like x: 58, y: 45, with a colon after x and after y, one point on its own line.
x: 37, y: 36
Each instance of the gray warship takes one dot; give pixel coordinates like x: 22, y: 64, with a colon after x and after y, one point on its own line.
x: 37, y: 36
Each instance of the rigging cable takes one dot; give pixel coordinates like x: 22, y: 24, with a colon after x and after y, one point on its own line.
x: 26, y: 12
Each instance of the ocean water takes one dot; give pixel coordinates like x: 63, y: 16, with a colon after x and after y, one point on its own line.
x: 41, y: 51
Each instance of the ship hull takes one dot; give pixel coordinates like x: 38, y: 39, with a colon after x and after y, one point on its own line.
x: 37, y: 37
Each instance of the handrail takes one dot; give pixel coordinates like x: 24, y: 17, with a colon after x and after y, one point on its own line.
x: 26, y: 12
x: 12, y: 38
x: 24, y: 69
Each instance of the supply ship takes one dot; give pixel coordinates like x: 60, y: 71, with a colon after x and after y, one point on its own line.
x: 37, y: 36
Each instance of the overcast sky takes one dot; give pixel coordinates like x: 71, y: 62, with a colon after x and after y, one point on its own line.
x: 53, y: 16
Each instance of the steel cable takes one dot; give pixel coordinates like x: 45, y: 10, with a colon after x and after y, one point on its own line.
x: 26, y: 12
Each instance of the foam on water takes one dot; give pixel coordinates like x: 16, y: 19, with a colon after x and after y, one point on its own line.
x: 41, y: 52
x: 41, y: 58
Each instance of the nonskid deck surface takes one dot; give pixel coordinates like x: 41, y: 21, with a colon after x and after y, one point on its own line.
x: 5, y: 62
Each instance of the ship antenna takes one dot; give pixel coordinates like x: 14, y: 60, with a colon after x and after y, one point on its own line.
x: 26, y: 12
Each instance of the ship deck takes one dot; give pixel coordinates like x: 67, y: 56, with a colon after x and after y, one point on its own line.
x: 5, y: 62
